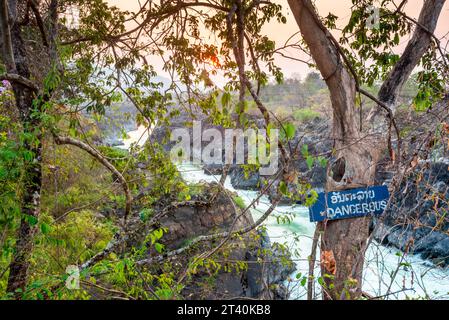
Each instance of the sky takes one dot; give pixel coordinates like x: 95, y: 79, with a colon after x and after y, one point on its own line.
x: 281, y: 32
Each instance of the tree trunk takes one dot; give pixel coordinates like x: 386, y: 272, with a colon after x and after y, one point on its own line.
x: 18, y: 271
x: 32, y: 180
x: 356, y: 156
x: 343, y: 241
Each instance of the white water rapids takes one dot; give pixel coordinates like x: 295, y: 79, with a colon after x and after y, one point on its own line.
x: 386, y: 269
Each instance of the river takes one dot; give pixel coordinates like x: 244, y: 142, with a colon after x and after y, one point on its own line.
x: 386, y: 270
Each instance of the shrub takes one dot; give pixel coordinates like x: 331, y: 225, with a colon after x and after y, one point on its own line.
x: 239, y: 202
x: 306, y: 114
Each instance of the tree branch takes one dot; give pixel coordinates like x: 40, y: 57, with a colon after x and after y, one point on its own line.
x: 40, y: 22
x: 226, y: 235
x: 415, y: 49
x: 12, y: 77
x: 8, y: 53
x: 97, y: 155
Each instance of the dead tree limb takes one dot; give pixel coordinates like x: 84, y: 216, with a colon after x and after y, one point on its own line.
x: 415, y: 49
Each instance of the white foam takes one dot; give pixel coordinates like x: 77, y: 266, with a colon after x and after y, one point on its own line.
x: 381, y: 263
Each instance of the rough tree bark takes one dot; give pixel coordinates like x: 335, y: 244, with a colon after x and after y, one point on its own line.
x: 343, y: 241
x: 15, y: 58
x: 14, y: 55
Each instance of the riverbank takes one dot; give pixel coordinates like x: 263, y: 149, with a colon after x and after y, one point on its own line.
x: 381, y: 262
x: 389, y: 272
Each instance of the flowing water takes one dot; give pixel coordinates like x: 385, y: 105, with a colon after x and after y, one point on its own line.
x: 388, y: 273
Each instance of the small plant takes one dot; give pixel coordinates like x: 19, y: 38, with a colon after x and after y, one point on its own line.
x: 239, y: 202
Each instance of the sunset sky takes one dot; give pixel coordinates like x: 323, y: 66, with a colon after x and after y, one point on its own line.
x: 341, y: 8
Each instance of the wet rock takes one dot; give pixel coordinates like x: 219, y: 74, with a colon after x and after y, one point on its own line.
x: 426, y: 244
x: 417, y: 216
x: 439, y: 253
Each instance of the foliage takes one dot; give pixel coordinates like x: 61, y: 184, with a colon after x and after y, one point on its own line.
x: 239, y: 202
x: 375, y: 48
x: 306, y: 115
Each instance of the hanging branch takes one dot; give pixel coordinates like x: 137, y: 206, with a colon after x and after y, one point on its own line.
x: 413, y: 52
x: 97, y: 155
x: 244, y: 81
x: 312, y: 258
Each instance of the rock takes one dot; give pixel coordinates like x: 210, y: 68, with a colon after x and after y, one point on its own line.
x: 415, y: 215
x: 276, y: 268
x: 271, y: 268
x: 240, y: 181
x: 401, y: 238
x: 112, y: 141
x: 425, y: 245
x: 439, y: 253
x: 314, y: 134
x: 213, y: 169
x: 118, y: 118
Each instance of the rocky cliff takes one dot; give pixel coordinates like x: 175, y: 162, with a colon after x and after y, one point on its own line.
x: 417, y: 221
x: 266, y: 266
x: 246, y: 266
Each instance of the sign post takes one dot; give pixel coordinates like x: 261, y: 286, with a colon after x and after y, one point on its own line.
x: 352, y: 203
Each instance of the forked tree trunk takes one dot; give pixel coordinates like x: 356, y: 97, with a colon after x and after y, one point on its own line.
x: 343, y: 241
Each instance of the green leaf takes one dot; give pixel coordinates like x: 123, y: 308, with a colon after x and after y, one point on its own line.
x: 310, y: 160
x: 45, y: 228
x: 164, y: 293
x: 158, y: 233
x: 322, y: 161
x: 144, y: 214
x: 290, y: 131
x: 243, y: 119
x: 32, y: 220
x: 225, y: 99
x: 305, y: 150
x: 283, y: 188
x: 159, y: 247
x: 269, y: 127
x: 396, y: 38
x: 321, y: 281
